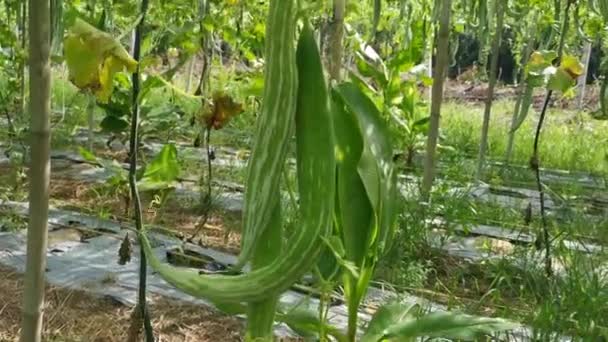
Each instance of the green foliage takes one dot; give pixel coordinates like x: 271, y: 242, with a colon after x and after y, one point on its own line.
x: 162, y: 171
x: 396, y: 86
x: 405, y: 323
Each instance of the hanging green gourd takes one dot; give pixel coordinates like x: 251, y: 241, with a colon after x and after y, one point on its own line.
x: 315, y: 170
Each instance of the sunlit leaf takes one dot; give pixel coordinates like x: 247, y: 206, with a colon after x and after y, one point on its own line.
x: 572, y: 66
x: 447, y: 325
x: 560, y: 80
x: 87, y: 155
x: 93, y: 58
x: 307, y: 323
x: 539, y: 61
x: 387, y: 316
x: 162, y: 171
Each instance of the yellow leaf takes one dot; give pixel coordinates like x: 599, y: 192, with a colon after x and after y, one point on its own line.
x: 572, y: 66
x: 536, y: 58
x: 93, y: 58
x: 224, y: 109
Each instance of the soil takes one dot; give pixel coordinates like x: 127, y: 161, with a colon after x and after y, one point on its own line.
x: 72, y: 315
x: 219, y: 232
x: 77, y: 316
x: 475, y: 92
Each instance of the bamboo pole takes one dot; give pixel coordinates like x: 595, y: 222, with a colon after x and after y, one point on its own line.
x: 40, y: 168
x: 443, y: 37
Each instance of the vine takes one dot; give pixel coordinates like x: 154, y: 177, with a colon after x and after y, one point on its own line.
x: 534, y: 160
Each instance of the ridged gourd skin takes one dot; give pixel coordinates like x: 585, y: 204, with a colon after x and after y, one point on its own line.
x: 316, y: 169
x: 274, y: 127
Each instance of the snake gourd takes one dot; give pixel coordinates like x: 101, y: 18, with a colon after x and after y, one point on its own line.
x: 274, y: 126
x: 316, y: 169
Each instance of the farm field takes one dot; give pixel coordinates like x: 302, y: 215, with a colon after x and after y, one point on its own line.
x: 303, y: 170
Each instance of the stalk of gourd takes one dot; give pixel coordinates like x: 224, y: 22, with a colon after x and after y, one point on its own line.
x: 534, y: 160
x: 601, y: 6
x: 91, y: 119
x: 56, y: 26
x: 376, y: 20
x: 39, y: 174
x: 141, y: 315
x: 483, y: 145
x: 207, y: 51
x: 316, y: 170
x: 524, y: 91
x: 23, y: 19
x: 483, y: 31
x: 336, y: 35
x: 582, y: 80
x: 443, y: 37
x: 190, y: 71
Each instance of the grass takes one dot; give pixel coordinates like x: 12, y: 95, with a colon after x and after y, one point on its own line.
x: 569, y: 141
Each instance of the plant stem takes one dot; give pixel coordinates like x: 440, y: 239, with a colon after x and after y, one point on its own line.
x: 91, y: 119
x: 203, y: 10
x: 336, y: 48
x: 483, y: 146
x: 582, y: 80
x: 209, y: 159
x: 40, y: 106
x: 521, y: 89
x: 12, y: 132
x: 133, y: 152
x: 376, y: 21
x: 535, y: 160
x: 22, y: 22
x: 206, y: 199
x: 439, y: 72
x: 536, y: 168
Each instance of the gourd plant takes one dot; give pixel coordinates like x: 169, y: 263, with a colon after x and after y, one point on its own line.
x: 499, y: 9
x: 561, y: 78
x: 274, y: 269
x: 599, y: 9
x: 364, y: 222
x: 394, y: 84
x: 527, y: 38
x: 94, y: 58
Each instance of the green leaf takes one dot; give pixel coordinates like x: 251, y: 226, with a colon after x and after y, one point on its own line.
x: 87, y: 155
x: 376, y: 166
x: 366, y: 187
x: 447, y: 325
x: 308, y: 324
x: 387, y: 316
x: 162, y: 170
x: 354, y: 210
x: 113, y: 124
x: 335, y: 246
x: 565, y: 76
x: 422, y: 125
x: 526, y: 103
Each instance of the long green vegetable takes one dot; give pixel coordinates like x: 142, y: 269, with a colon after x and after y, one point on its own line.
x: 316, y: 184
x: 273, y: 127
